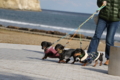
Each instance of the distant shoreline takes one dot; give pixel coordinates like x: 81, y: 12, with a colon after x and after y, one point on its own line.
x: 46, y: 32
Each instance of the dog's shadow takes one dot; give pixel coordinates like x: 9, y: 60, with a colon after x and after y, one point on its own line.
x: 97, y: 70
x: 79, y: 64
x: 40, y: 52
x: 50, y: 60
x: 34, y: 58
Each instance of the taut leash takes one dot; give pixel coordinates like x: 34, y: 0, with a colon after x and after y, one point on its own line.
x: 84, y: 23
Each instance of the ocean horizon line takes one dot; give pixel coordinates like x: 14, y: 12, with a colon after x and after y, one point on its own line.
x: 66, y: 11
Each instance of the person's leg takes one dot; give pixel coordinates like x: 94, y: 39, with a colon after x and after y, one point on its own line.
x: 96, y: 38
x: 92, y: 50
x: 111, y: 29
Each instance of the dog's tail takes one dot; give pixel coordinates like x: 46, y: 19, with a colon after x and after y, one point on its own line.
x: 101, y: 54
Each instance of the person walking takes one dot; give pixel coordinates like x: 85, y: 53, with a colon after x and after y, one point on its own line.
x: 108, y: 18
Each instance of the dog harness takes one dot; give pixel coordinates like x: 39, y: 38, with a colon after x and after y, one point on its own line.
x: 86, y: 55
x: 53, y: 51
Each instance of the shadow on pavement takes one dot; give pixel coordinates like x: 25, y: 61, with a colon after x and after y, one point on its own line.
x: 34, y: 51
x: 51, y: 60
x: 43, y: 60
x: 34, y: 58
x: 97, y: 70
x: 11, y: 76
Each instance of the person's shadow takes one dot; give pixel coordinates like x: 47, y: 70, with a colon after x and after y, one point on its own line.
x: 11, y: 76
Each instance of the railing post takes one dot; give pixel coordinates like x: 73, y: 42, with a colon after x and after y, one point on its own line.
x: 114, y: 63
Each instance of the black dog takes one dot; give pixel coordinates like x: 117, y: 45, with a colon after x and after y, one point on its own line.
x: 64, y: 54
x: 78, y: 55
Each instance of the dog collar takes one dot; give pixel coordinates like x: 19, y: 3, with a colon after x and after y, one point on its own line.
x: 60, y: 51
x: 85, y: 56
x: 81, y: 55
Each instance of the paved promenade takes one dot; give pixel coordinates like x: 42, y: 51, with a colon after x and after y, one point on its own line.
x: 23, y: 62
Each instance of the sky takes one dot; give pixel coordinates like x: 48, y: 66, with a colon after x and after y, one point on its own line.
x: 81, y: 6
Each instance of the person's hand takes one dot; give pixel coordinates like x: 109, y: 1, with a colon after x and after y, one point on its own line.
x: 104, y: 3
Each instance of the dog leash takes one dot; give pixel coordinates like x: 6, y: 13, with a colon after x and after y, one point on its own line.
x: 80, y: 40
x: 84, y: 23
x: 79, y: 26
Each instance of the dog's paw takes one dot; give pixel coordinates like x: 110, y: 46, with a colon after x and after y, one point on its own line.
x: 43, y: 58
x: 81, y: 62
x: 84, y: 64
x: 100, y: 64
x: 59, y: 61
x: 67, y: 60
x: 72, y: 63
x: 94, y: 65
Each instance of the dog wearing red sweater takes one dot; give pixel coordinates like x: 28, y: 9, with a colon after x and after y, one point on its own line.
x: 50, y: 51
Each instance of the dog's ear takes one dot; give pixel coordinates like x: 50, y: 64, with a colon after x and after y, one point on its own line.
x: 56, y: 46
x: 49, y: 44
x: 82, y: 51
x: 43, y: 42
x: 59, y: 46
x: 62, y: 47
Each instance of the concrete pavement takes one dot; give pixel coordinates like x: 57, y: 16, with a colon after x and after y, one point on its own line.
x: 23, y: 62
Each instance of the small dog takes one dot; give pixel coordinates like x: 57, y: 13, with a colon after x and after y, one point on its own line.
x: 80, y: 55
x: 49, y: 50
x: 64, y: 54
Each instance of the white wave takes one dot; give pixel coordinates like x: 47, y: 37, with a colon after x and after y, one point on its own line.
x: 44, y: 26
x: 92, y: 32
x: 18, y: 22
x: 33, y: 24
x: 117, y: 35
